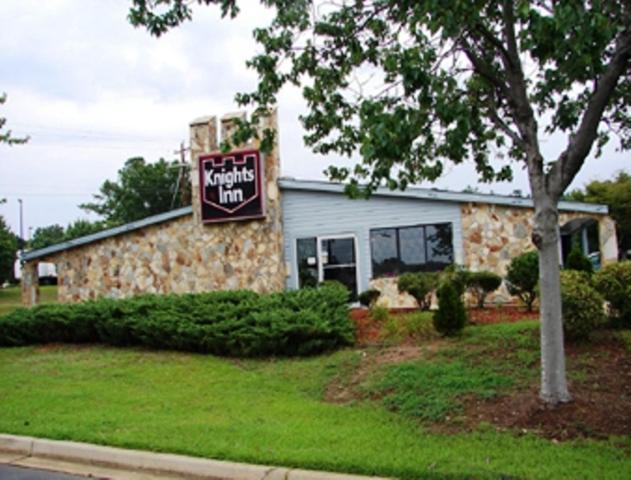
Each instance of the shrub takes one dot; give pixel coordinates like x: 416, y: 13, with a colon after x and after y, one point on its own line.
x: 576, y: 260
x: 582, y: 305
x: 236, y: 323
x: 420, y: 285
x: 522, y: 277
x: 379, y: 314
x: 369, y: 297
x: 451, y: 316
x: 482, y: 283
x: 613, y: 282
x: 457, y: 276
x: 417, y: 326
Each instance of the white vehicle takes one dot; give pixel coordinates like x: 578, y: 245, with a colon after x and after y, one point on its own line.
x: 46, y: 271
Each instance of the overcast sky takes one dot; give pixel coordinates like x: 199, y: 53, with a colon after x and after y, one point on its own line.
x: 92, y: 91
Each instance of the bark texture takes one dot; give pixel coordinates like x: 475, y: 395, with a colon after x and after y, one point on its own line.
x: 554, y: 388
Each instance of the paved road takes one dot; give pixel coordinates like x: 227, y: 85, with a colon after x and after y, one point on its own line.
x: 9, y: 472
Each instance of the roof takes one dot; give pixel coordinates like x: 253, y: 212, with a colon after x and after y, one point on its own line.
x: 110, y: 232
x: 286, y: 183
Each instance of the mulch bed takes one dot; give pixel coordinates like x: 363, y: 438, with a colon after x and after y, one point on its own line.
x: 368, y: 331
x: 601, y: 404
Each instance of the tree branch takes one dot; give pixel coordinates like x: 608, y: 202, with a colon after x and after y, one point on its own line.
x: 569, y: 163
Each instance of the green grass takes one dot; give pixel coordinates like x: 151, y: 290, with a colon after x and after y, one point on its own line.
x: 11, y: 298
x: 272, y: 412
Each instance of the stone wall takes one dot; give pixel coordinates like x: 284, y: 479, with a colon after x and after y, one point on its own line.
x: 494, y: 234
x: 181, y: 255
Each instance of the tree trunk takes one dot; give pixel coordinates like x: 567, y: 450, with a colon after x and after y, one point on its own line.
x: 546, y: 237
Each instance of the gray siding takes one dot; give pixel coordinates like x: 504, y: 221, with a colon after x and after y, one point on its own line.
x: 317, y: 214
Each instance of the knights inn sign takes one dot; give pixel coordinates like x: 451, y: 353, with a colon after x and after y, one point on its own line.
x: 231, y: 186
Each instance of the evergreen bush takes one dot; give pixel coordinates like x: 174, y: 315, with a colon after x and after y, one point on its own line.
x: 577, y: 260
x: 420, y: 285
x: 369, y: 297
x: 457, y: 276
x: 522, y: 277
x: 481, y: 284
x: 613, y: 282
x: 234, y: 323
x: 582, y: 305
x: 451, y: 316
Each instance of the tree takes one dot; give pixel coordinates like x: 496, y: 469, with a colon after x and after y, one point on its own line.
x: 8, y: 250
x: 142, y: 189
x: 411, y: 85
x: 616, y: 194
x: 522, y: 277
x: 7, y: 136
x: 46, y: 236
x: 81, y: 228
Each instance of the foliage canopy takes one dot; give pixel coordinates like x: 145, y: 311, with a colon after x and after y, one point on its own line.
x: 616, y: 193
x: 6, y: 136
x: 141, y: 190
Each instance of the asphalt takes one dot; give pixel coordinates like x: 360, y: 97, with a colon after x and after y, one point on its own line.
x: 8, y: 472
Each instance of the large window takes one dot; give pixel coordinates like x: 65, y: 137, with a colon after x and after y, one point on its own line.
x: 411, y: 249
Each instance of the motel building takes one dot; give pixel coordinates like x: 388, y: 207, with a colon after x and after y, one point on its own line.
x: 249, y: 228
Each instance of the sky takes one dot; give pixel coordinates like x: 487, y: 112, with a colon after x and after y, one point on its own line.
x: 92, y: 91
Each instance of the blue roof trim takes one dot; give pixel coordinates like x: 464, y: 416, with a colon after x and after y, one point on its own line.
x: 440, y: 195
x: 111, y: 232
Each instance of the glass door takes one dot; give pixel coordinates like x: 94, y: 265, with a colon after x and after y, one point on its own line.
x: 338, y: 261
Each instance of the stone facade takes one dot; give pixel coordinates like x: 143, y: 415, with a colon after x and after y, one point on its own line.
x: 390, y: 296
x: 180, y: 255
x: 494, y: 234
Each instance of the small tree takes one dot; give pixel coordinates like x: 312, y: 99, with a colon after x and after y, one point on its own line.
x: 451, y: 316
x: 576, y: 260
x: 8, y: 249
x: 408, y: 86
x: 420, y: 285
x: 522, y: 277
x: 481, y: 284
x: 457, y: 275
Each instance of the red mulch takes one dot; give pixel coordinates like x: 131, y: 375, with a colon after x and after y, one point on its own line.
x: 368, y: 331
x: 601, y: 403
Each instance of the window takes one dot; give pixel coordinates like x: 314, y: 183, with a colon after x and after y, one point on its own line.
x: 411, y: 249
x: 307, y: 262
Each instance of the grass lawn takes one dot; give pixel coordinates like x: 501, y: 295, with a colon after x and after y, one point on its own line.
x: 11, y: 297
x: 274, y: 412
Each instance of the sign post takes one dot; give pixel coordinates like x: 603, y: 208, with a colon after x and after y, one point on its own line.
x: 231, y: 186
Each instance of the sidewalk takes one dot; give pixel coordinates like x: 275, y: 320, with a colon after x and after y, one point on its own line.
x: 118, y: 463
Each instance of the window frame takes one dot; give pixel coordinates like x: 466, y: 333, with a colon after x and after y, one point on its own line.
x: 396, y: 230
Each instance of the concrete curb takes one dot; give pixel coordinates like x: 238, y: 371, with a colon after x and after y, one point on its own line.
x: 160, y: 463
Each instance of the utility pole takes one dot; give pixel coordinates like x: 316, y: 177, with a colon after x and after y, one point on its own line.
x: 181, y: 166
x: 21, y: 220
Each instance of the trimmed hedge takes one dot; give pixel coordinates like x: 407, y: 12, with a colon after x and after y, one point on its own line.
x: 481, y: 284
x: 234, y: 323
x: 582, y: 305
x: 614, y: 283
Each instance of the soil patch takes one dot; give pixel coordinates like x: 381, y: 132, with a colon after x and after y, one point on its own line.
x: 601, y: 404
x: 345, y: 388
x: 503, y: 314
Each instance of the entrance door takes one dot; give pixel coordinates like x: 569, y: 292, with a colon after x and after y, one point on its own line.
x: 338, y: 261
